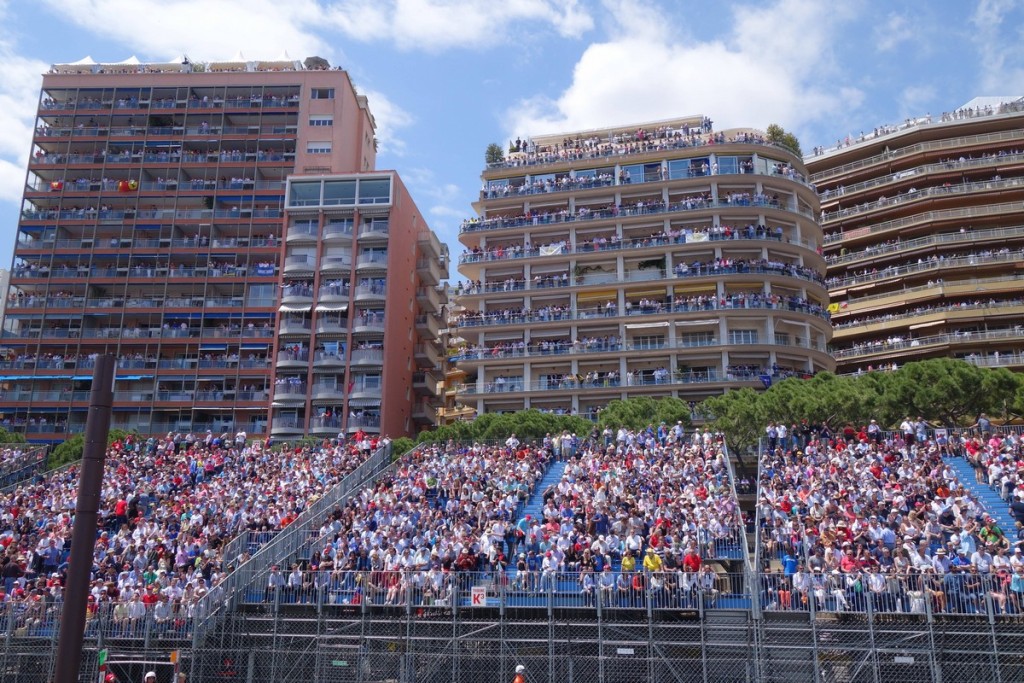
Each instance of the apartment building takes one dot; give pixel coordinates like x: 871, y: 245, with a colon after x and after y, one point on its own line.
x: 654, y: 259
x: 924, y: 238
x: 155, y: 228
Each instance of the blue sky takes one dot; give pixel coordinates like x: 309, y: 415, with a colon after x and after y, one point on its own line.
x: 447, y: 77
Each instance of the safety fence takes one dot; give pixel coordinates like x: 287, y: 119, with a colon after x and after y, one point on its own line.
x: 746, y: 631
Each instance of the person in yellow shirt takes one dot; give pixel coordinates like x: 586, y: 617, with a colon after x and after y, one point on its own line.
x: 652, y: 562
x: 628, y: 562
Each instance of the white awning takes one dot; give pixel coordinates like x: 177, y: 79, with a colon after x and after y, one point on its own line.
x: 706, y: 321
x: 643, y: 326
x: 295, y: 308
x: 364, y: 403
x: 330, y: 308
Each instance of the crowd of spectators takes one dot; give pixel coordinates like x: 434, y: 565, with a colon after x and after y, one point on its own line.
x: 860, y: 515
x: 924, y: 310
x: 168, y: 508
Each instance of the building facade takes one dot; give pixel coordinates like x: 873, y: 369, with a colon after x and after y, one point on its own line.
x: 361, y: 310
x: 154, y: 229
x: 924, y: 238
x: 655, y: 259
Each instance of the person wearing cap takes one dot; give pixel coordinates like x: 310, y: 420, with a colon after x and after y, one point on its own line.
x: 150, y: 677
x: 520, y: 676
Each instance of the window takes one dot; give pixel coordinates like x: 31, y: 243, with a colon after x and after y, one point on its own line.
x: 377, y: 191
x: 339, y: 192
x: 697, y: 339
x: 318, y: 147
x: 649, y: 342
x: 321, y: 120
x: 305, y: 194
x: 742, y: 336
x: 322, y: 94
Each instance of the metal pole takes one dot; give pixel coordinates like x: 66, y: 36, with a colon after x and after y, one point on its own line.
x: 83, y: 535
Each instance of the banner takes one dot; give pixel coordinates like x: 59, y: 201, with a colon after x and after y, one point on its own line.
x: 697, y: 237
x: 552, y: 249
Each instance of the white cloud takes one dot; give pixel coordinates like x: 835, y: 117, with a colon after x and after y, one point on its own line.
x: 895, y: 30
x: 915, y: 99
x: 436, y: 25
x: 389, y: 118
x: 774, y: 66
x: 19, y: 97
x: 205, y: 29
x: 1001, y: 53
x: 444, y: 202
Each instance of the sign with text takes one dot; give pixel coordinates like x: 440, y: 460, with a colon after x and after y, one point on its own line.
x: 479, y: 596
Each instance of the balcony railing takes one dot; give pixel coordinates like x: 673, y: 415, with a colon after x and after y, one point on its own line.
x: 894, y: 344
x: 622, y: 212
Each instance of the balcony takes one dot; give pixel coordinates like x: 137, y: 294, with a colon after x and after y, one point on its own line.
x: 290, y: 392
x: 365, y: 422
x: 293, y: 359
x: 294, y: 327
x: 299, y: 264
x: 424, y: 412
x: 327, y: 361
x: 364, y: 390
x: 328, y: 391
x: 337, y: 233
x: 375, y: 292
x: 428, y: 325
x: 367, y: 357
x: 302, y: 232
x: 333, y: 294
x: 368, y: 326
x: 426, y: 382
x: 367, y: 262
x: 429, y: 298
x: 325, y: 425
x: 427, y: 351
x: 331, y: 324
x: 336, y: 265
x: 280, y: 426
x: 429, y: 270
x: 374, y: 230
x: 297, y: 294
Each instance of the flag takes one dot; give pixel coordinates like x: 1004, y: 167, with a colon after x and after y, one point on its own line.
x: 766, y: 380
x: 833, y: 308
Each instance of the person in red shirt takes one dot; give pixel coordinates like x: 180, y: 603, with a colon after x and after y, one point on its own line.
x: 691, y: 560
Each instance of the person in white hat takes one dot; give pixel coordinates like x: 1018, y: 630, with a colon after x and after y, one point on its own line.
x: 520, y: 676
x: 150, y: 677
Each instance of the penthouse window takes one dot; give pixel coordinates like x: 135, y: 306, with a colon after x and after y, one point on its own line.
x: 321, y: 94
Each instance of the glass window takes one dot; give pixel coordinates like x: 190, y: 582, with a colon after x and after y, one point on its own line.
x: 321, y: 120
x: 262, y: 295
x: 318, y: 147
x: 339, y: 192
x: 697, y: 339
x: 742, y: 336
x: 322, y: 94
x: 728, y: 165
x: 304, y: 194
x: 375, y: 191
x: 679, y: 168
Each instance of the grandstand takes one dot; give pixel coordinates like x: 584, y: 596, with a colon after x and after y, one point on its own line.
x: 618, y: 558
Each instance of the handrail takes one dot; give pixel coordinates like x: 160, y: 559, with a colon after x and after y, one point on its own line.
x: 920, y: 171
x: 927, y: 217
x: 952, y: 308
x: 885, y: 346
x: 897, y: 245
x: 937, y: 289
x: 930, y: 264
x: 914, y: 195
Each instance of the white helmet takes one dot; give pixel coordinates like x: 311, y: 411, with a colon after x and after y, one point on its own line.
x: 150, y: 674
x: 520, y: 669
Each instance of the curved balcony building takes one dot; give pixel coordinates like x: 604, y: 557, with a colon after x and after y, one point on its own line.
x: 924, y: 238
x: 654, y: 259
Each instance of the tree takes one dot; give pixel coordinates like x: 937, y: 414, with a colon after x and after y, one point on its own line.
x: 639, y: 413
x: 11, y: 437
x: 739, y: 415
x: 779, y: 136
x: 949, y: 391
x: 494, y: 154
x: 316, y: 64
x: 71, y: 450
